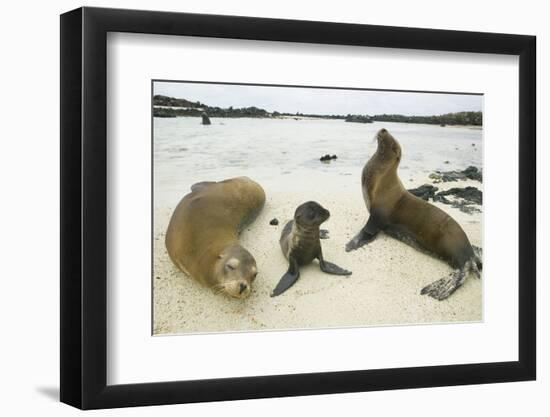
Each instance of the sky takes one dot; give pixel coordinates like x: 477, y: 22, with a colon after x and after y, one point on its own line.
x: 320, y: 101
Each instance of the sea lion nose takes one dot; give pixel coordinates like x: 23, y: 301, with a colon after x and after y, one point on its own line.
x: 242, y: 287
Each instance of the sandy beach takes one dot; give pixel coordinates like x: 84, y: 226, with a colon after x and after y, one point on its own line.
x: 384, y: 288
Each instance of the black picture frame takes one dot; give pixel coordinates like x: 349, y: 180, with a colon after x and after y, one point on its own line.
x: 84, y: 207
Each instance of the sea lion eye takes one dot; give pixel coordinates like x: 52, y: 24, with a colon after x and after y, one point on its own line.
x: 232, y: 264
x: 254, y: 276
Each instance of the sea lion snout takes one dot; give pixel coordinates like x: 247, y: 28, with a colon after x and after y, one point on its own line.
x: 239, y: 270
x: 388, y: 147
x: 237, y: 288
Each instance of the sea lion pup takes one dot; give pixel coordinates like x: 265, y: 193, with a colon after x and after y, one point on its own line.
x: 202, y: 235
x: 300, y: 244
x: 412, y: 220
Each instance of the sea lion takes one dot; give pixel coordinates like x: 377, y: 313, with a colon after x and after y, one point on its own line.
x: 301, y: 245
x: 201, y: 238
x: 412, y: 220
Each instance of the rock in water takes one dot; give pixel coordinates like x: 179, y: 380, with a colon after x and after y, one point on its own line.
x: 327, y: 158
x: 205, y: 119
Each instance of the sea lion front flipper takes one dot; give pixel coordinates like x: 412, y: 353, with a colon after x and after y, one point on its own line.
x: 330, y: 268
x: 289, y: 278
x: 323, y: 234
x: 200, y: 185
x: 365, y: 235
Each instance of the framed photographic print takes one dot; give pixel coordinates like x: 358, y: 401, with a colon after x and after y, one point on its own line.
x: 258, y: 207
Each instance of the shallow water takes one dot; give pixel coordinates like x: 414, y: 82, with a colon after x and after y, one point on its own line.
x: 186, y: 152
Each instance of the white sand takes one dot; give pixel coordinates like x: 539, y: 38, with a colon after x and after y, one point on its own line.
x: 383, y: 290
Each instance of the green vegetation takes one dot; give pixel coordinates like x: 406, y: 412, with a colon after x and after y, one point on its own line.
x: 462, y: 118
x: 178, y: 107
x: 160, y: 100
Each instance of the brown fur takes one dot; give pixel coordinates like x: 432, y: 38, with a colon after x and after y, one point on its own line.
x: 431, y: 228
x: 408, y: 218
x: 203, y: 232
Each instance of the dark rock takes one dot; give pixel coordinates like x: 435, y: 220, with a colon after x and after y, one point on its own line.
x: 162, y: 112
x: 425, y: 192
x: 205, y: 119
x: 446, y: 162
x: 274, y: 222
x: 464, y: 197
x: 469, y: 194
x: 357, y: 118
x: 471, y: 173
x: 327, y: 158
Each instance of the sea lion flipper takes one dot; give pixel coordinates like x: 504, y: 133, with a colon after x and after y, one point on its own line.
x: 365, y: 235
x: 288, y: 279
x: 478, y: 252
x: 330, y: 268
x: 200, y: 185
x: 333, y: 269
x: 444, y: 287
x: 323, y: 234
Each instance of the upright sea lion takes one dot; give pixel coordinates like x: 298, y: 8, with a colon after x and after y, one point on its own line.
x: 202, y: 235
x: 412, y: 220
x: 301, y: 245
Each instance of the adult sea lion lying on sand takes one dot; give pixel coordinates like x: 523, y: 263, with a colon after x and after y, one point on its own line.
x: 412, y: 220
x: 202, y: 235
x: 301, y: 245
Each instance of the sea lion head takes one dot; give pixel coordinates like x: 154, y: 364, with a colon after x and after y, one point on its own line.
x: 311, y: 214
x: 235, y: 271
x: 389, y: 150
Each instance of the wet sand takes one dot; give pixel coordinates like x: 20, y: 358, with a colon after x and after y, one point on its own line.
x: 384, y: 288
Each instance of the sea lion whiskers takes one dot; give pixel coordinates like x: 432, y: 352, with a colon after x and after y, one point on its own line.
x: 218, y: 289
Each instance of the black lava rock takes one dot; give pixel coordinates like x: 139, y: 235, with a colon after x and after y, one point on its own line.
x: 327, y: 158
x: 425, y: 192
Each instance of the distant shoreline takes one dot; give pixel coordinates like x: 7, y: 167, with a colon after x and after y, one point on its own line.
x: 290, y: 117
x: 170, y: 107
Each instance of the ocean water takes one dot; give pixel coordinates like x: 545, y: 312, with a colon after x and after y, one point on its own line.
x: 186, y: 152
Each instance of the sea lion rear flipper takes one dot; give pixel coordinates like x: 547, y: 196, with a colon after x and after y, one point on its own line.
x: 200, y: 185
x: 479, y: 256
x: 330, y: 268
x: 444, y: 287
x: 288, y: 279
x: 365, y: 235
